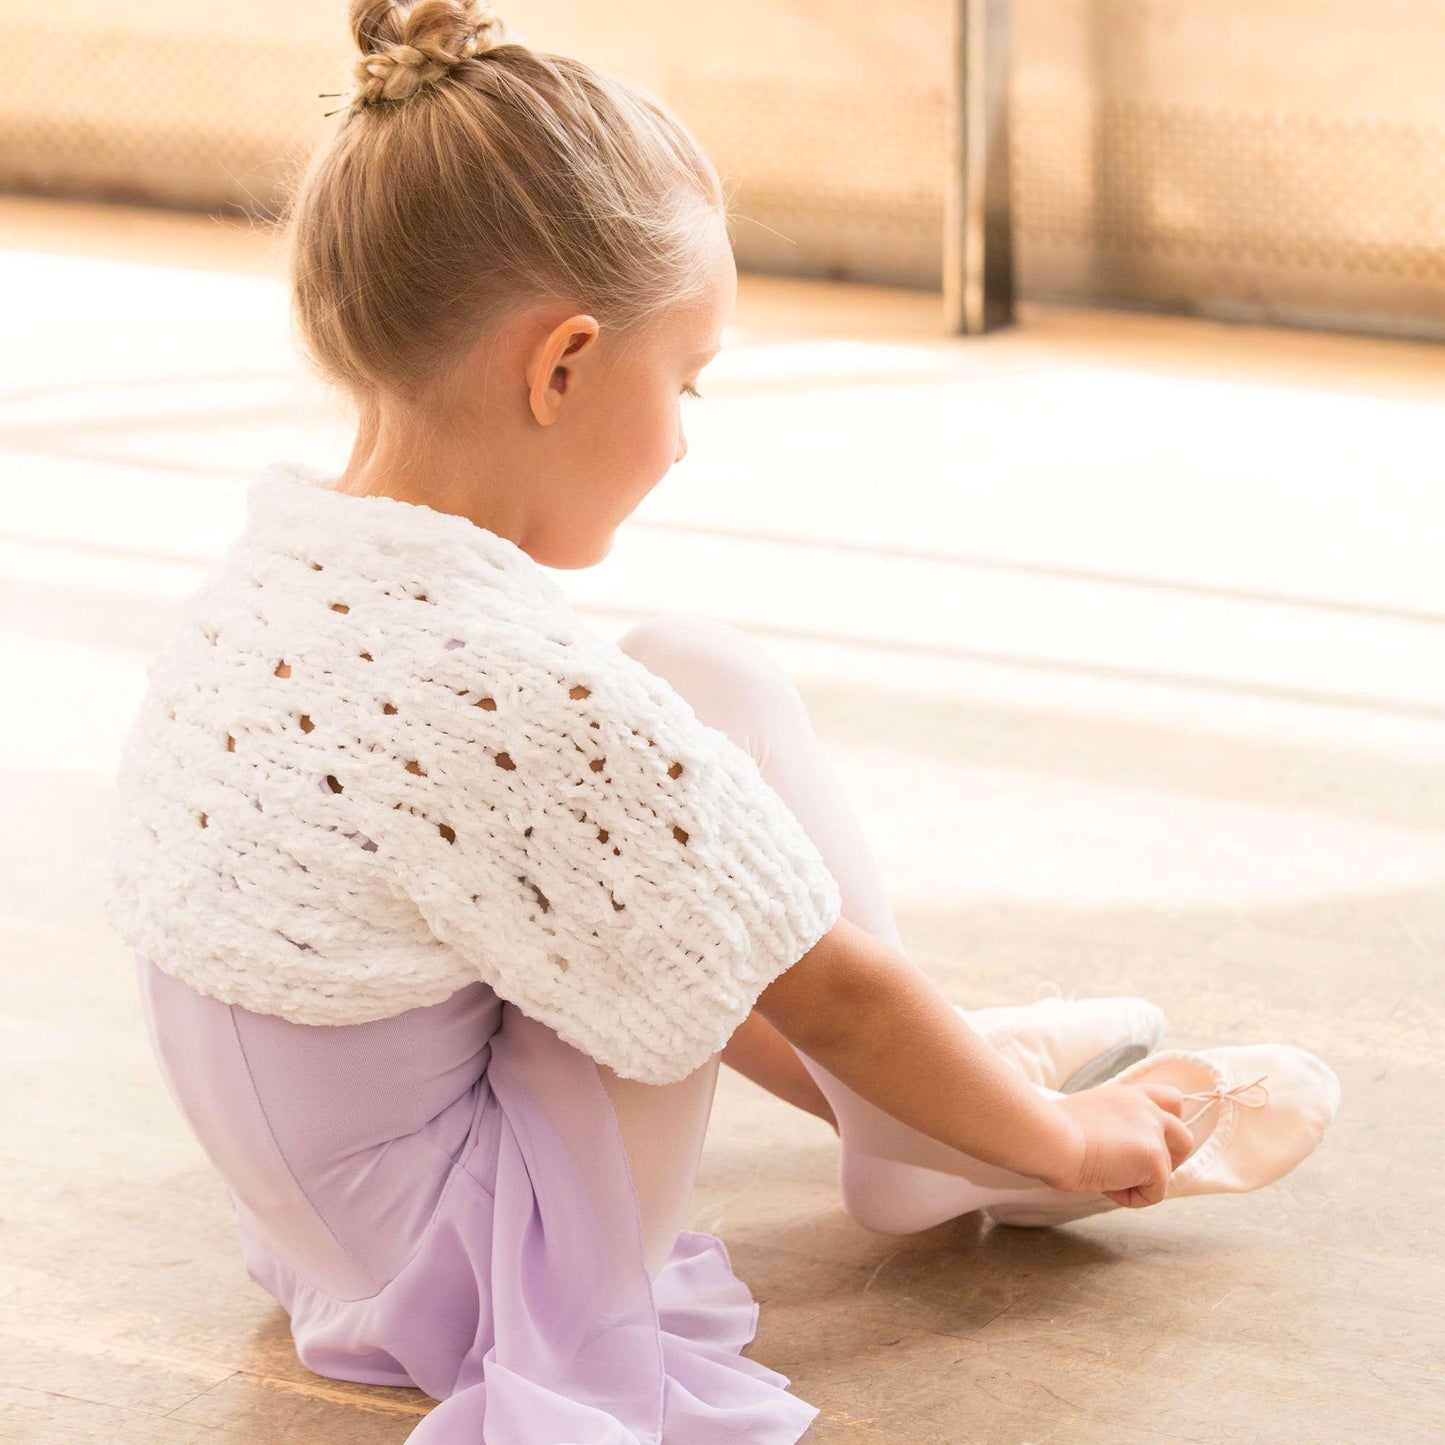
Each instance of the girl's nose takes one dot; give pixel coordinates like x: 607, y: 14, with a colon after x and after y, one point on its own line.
x: 681, y: 446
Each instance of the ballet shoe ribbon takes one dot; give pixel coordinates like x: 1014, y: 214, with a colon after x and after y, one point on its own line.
x: 1236, y: 1093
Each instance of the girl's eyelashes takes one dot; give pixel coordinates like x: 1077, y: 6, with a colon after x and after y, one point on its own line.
x: 692, y: 391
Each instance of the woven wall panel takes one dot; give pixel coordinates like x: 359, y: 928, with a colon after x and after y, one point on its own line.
x: 1264, y: 159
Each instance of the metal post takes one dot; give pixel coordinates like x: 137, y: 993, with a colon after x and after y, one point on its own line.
x: 978, y: 280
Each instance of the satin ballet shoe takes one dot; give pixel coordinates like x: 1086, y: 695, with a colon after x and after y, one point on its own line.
x: 1256, y: 1111
x: 1071, y: 1044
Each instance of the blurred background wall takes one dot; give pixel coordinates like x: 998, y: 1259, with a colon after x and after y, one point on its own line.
x: 1260, y: 160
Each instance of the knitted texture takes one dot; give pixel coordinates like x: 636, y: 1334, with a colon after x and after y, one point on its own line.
x: 381, y: 757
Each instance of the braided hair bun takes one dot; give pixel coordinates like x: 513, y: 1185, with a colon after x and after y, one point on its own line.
x: 405, y: 48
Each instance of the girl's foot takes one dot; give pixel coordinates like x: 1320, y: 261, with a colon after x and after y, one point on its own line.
x: 895, y: 1180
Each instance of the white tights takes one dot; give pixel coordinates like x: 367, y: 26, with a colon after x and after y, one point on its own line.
x: 894, y: 1179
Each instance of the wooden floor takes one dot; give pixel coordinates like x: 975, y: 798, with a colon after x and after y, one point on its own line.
x: 1125, y: 633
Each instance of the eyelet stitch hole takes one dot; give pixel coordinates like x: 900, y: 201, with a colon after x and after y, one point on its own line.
x: 332, y: 783
x: 447, y: 832
x: 416, y: 768
x: 340, y: 607
x: 541, y: 897
x: 675, y: 771
x: 679, y: 834
x: 579, y: 692
x: 306, y: 723
x: 283, y: 669
x: 504, y: 760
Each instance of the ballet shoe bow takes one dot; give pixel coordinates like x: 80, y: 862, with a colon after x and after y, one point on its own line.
x: 1236, y: 1093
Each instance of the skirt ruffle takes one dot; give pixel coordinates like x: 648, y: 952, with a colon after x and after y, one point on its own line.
x: 526, y: 1310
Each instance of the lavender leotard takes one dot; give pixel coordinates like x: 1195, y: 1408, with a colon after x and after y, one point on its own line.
x: 442, y: 1199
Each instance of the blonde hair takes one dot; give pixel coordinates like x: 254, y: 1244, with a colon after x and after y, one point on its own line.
x: 471, y: 175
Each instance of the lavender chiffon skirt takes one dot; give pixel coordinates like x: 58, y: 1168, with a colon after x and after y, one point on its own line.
x: 442, y: 1200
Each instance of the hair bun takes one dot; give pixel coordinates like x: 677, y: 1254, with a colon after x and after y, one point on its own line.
x: 407, y: 47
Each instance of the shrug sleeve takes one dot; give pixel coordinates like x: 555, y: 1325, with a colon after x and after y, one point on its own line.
x: 609, y: 863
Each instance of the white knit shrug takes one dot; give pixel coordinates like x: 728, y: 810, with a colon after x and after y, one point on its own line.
x: 381, y: 758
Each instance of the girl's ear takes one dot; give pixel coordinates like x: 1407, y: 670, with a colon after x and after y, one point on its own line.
x: 547, y: 376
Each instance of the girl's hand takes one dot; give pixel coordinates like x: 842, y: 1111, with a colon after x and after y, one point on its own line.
x: 1128, y: 1140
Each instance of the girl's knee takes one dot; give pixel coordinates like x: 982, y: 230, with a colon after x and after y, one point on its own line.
x: 726, y: 674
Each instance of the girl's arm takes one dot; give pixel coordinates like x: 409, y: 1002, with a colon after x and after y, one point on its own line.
x: 759, y: 1052
x: 858, y: 1007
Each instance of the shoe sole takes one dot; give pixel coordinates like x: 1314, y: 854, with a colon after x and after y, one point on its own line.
x: 1104, y: 1066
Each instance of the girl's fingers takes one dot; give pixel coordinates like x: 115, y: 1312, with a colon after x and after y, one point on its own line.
x: 1170, y: 1099
x: 1179, y: 1140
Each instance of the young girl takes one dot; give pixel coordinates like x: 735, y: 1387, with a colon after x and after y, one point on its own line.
x: 445, y: 909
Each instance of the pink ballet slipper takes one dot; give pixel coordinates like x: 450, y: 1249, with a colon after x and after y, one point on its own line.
x: 1261, y: 1110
